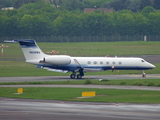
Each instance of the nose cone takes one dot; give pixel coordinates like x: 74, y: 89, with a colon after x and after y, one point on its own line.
x: 152, y: 66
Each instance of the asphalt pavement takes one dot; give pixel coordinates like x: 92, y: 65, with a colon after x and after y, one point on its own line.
x: 26, y: 109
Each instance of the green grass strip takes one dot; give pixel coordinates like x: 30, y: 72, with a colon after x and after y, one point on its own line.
x: 72, y: 94
x: 132, y: 82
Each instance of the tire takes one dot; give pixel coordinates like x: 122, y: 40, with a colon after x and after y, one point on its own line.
x: 143, y: 75
x: 72, y: 76
x: 79, y: 76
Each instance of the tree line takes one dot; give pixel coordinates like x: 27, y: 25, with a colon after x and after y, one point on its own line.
x: 43, y: 19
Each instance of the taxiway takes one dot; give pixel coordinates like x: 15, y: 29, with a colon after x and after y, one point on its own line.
x: 63, y: 78
x: 18, y: 109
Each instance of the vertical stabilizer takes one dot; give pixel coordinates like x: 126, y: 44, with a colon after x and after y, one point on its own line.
x: 30, y: 49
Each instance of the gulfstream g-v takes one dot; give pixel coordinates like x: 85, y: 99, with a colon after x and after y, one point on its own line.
x: 79, y: 65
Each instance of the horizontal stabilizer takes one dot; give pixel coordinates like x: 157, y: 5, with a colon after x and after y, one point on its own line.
x: 9, y: 41
x: 20, y: 40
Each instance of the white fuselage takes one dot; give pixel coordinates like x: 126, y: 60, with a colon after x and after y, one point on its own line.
x: 99, y: 63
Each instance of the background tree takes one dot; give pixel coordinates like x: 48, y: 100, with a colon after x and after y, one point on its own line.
x: 134, y: 6
x: 108, y: 26
x: 156, y: 4
x: 3, y: 24
x: 43, y: 19
x: 141, y: 24
x: 7, y: 3
x: 154, y: 23
x: 147, y: 10
x: 144, y: 3
x: 119, y: 4
x: 19, y: 3
x: 125, y: 22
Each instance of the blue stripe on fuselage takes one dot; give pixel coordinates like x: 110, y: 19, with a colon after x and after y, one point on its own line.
x: 75, y: 67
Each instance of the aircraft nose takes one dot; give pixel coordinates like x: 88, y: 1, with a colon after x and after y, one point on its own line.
x: 152, y: 66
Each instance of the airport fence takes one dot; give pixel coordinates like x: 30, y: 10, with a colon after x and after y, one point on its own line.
x: 89, y: 38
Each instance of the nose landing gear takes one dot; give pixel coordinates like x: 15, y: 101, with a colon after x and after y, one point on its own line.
x: 143, y: 74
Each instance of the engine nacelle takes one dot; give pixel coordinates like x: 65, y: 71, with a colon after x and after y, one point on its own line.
x: 58, y: 60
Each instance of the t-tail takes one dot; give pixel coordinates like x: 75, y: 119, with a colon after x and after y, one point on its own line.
x: 30, y: 50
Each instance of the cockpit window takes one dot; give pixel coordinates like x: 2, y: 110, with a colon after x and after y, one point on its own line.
x: 142, y: 60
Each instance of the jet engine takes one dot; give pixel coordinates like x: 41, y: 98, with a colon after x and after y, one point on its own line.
x: 57, y: 60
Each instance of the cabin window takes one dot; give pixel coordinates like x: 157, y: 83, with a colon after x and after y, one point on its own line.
x: 120, y: 63
x: 101, y: 62
x: 95, y: 62
x: 89, y: 62
x: 114, y: 63
x: 107, y: 62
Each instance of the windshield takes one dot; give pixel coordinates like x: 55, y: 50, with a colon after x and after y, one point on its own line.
x: 143, y: 60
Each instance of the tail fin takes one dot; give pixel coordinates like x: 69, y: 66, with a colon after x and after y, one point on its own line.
x: 30, y: 49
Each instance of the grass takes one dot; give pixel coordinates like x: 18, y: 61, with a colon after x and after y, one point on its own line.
x: 134, y: 82
x: 20, y: 68
x: 71, y: 94
x: 141, y: 82
x: 89, y: 49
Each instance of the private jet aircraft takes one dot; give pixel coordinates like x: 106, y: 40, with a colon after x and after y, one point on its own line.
x: 64, y: 63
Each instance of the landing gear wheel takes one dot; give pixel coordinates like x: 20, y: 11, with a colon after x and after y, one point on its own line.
x: 79, y: 76
x: 72, y: 76
x: 143, y: 75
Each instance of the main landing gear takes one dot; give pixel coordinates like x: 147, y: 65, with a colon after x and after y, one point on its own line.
x: 80, y: 70
x: 73, y: 76
x: 79, y: 76
x: 143, y: 74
